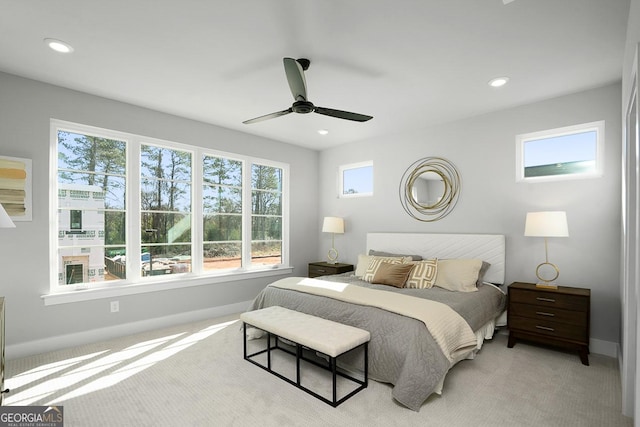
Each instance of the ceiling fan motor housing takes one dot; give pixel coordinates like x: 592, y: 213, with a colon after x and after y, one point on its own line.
x: 303, y: 107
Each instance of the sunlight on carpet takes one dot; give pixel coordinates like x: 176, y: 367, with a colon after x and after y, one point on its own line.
x: 71, y: 380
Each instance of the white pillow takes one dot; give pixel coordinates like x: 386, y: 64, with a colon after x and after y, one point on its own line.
x: 458, y: 275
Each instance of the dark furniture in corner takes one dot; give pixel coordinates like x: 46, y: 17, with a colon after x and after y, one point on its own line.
x: 317, y: 269
x: 557, y: 317
x: 2, y: 389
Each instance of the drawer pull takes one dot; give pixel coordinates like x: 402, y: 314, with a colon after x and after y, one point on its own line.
x: 542, y: 313
x: 320, y: 270
x: 545, y: 299
x: 545, y: 328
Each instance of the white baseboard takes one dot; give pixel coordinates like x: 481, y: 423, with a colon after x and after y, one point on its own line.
x: 605, y: 348
x: 16, y: 351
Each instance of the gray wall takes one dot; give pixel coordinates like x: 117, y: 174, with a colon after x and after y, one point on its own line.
x: 25, y: 109
x: 483, y: 150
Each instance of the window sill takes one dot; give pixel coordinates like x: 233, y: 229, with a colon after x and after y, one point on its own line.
x: 139, y: 288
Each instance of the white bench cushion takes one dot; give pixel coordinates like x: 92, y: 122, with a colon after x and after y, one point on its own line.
x: 325, y: 336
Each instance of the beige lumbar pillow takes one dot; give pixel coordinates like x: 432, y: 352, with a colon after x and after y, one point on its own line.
x: 458, y: 275
x: 423, y: 275
x: 392, y: 274
x: 364, y: 260
x: 374, y: 264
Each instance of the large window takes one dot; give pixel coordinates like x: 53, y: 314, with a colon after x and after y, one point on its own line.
x: 131, y: 209
x: 563, y: 153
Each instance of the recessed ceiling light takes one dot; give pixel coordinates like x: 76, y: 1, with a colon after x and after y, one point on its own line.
x: 498, y: 81
x: 323, y: 132
x: 59, y: 45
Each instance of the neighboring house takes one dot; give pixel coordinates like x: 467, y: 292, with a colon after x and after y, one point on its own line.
x: 80, y: 234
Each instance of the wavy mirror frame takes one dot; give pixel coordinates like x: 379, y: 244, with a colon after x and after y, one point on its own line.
x: 450, y: 179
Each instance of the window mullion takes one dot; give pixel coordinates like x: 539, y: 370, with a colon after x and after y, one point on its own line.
x: 133, y: 208
x: 196, y: 214
x: 246, y: 214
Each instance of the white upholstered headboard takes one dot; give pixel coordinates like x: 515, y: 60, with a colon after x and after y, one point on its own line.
x: 487, y: 247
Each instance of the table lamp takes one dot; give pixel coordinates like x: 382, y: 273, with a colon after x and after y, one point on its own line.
x: 546, y: 224
x: 333, y: 225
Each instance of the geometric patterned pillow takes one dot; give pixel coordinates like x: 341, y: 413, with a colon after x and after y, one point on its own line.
x: 423, y: 275
x: 374, y: 264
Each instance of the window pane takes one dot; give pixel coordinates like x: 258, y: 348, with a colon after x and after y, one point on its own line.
x: 573, y: 151
x: 81, y: 264
x: 160, y: 227
x: 266, y: 228
x: 221, y: 199
x: 115, y: 227
x: 356, y: 180
x: 165, y: 163
x: 165, y: 195
x: 266, y: 219
x: 115, y: 263
x: 266, y: 253
x: 159, y: 260
x: 222, y: 228
x: 114, y: 197
x: 78, y: 152
x: 91, y: 179
x: 222, y: 213
x: 218, y: 170
x: 266, y: 203
x: 266, y: 178
x: 561, y: 155
x: 219, y: 256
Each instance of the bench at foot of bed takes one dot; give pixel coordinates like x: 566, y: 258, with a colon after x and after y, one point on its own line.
x: 308, y: 332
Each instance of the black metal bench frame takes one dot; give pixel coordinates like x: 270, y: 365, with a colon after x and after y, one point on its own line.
x: 330, y: 366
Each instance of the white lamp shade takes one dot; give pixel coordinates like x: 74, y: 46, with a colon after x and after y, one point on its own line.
x: 5, y: 221
x: 332, y: 224
x: 546, y: 224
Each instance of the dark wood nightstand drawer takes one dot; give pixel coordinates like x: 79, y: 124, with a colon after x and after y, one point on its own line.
x: 317, y: 269
x: 549, y: 328
x: 548, y: 299
x: 548, y: 314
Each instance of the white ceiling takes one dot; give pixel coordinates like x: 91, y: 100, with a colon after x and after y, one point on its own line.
x: 408, y: 63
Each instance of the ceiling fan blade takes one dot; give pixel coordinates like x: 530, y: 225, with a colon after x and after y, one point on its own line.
x: 295, y: 78
x: 268, y: 116
x: 342, y: 114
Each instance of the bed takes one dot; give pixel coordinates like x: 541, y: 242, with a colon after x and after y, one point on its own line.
x: 417, y: 334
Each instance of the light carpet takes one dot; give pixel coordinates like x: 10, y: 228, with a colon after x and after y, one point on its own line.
x: 194, y: 375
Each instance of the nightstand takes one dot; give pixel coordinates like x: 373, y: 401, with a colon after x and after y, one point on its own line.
x: 317, y: 269
x: 558, y: 317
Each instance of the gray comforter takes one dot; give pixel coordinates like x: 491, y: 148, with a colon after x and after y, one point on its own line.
x: 401, y: 351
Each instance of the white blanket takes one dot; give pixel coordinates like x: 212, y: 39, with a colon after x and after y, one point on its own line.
x: 452, y: 333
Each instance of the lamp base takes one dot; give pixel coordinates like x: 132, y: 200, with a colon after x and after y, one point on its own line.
x: 547, y: 273
x: 546, y: 285
x: 332, y: 256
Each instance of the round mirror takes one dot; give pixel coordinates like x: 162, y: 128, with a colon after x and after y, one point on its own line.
x: 429, y: 188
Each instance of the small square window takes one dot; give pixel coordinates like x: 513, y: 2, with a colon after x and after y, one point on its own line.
x: 356, y: 180
x: 564, y: 153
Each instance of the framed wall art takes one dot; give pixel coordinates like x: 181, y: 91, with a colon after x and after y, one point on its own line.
x: 15, y: 187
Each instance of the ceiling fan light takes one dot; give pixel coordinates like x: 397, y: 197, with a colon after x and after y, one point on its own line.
x: 498, y: 81
x: 59, y: 45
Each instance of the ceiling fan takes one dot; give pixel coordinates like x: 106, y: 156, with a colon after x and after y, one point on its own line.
x: 294, y: 69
